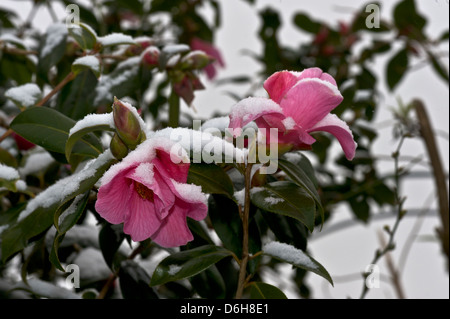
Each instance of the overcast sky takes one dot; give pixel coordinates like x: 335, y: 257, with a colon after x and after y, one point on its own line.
x: 348, y: 251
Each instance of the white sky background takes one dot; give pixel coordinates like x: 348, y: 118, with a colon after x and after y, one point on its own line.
x: 348, y: 251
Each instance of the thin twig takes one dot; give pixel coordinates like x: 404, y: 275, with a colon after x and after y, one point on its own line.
x: 57, y: 88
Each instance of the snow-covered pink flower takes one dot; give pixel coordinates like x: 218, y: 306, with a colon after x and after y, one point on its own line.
x: 148, y: 193
x: 300, y: 103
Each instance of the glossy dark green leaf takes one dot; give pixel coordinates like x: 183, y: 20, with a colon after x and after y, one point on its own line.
x: 187, y: 263
x: 85, y: 36
x: 41, y: 218
x: 440, y: 70
x: 65, y: 217
x: 396, y: 68
x: 408, y: 20
x: 296, y: 257
x: 261, y: 290
x: 110, y: 238
x: 76, y: 98
x: 53, y: 47
x: 16, y: 67
x: 134, y: 281
x: 286, y: 198
x: 211, y: 178
x: 209, y: 283
x: 50, y: 129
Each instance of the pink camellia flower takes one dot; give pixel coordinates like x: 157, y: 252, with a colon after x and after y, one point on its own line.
x: 300, y: 103
x: 208, y: 48
x: 147, y: 192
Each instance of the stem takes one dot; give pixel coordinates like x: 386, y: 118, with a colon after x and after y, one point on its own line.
x: 244, y: 217
x: 57, y: 88
x: 174, y: 109
x: 400, y: 213
x: 438, y: 171
x: 6, y: 134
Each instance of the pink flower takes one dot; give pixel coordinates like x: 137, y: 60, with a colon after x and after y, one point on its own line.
x: 300, y: 103
x: 208, y: 48
x: 147, y: 192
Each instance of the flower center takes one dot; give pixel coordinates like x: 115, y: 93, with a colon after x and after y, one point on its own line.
x: 144, y: 192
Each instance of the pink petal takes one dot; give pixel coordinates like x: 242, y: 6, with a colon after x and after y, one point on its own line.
x: 192, y: 199
x: 250, y: 109
x: 317, y: 73
x: 310, y: 100
x: 178, y: 172
x: 334, y: 125
x: 113, y: 198
x: 278, y: 84
x: 142, y: 221
x: 174, y: 231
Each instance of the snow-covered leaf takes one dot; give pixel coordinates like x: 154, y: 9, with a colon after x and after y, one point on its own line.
x: 53, y: 47
x: 290, y: 254
x: 90, y: 62
x: 84, y: 35
x: 115, y: 39
x: 24, y: 95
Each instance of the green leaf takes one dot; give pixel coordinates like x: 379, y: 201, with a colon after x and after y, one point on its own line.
x: 65, y: 217
x: 396, y: 68
x: 408, y: 21
x: 76, y: 98
x: 110, y: 238
x: 261, y: 290
x: 53, y: 47
x: 296, y: 257
x: 304, y: 22
x: 17, y: 68
x: 187, y: 263
x: 91, y: 123
x: 40, y: 216
x: 209, y: 284
x: 438, y: 67
x: 211, y: 178
x: 84, y: 35
x: 50, y: 129
x: 134, y: 282
x: 89, y: 62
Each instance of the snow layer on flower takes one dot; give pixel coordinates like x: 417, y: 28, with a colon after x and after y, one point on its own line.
x: 254, y: 106
x: 26, y: 95
x: 202, y: 144
x: 273, y: 200
x: 8, y: 173
x: 89, y: 61
x: 332, y: 87
x: 145, y: 172
x: 116, y: 39
x: 55, y: 34
x: 93, y: 120
x: 64, y: 187
x: 288, y: 253
x: 144, y: 153
x: 220, y: 123
x: 190, y: 192
x: 36, y: 162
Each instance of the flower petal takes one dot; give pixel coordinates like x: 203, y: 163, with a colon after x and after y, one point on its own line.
x: 174, y: 231
x: 334, y: 125
x: 278, y: 84
x: 143, y: 221
x: 177, y: 171
x: 250, y: 109
x: 317, y: 73
x: 194, y: 199
x: 310, y: 100
x: 113, y: 198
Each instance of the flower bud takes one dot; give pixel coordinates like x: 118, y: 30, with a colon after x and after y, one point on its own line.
x: 150, y: 56
x: 118, y: 147
x: 196, y: 60
x: 127, y: 124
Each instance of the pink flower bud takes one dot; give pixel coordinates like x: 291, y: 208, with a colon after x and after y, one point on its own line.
x: 127, y: 124
x: 150, y: 56
x: 196, y: 60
